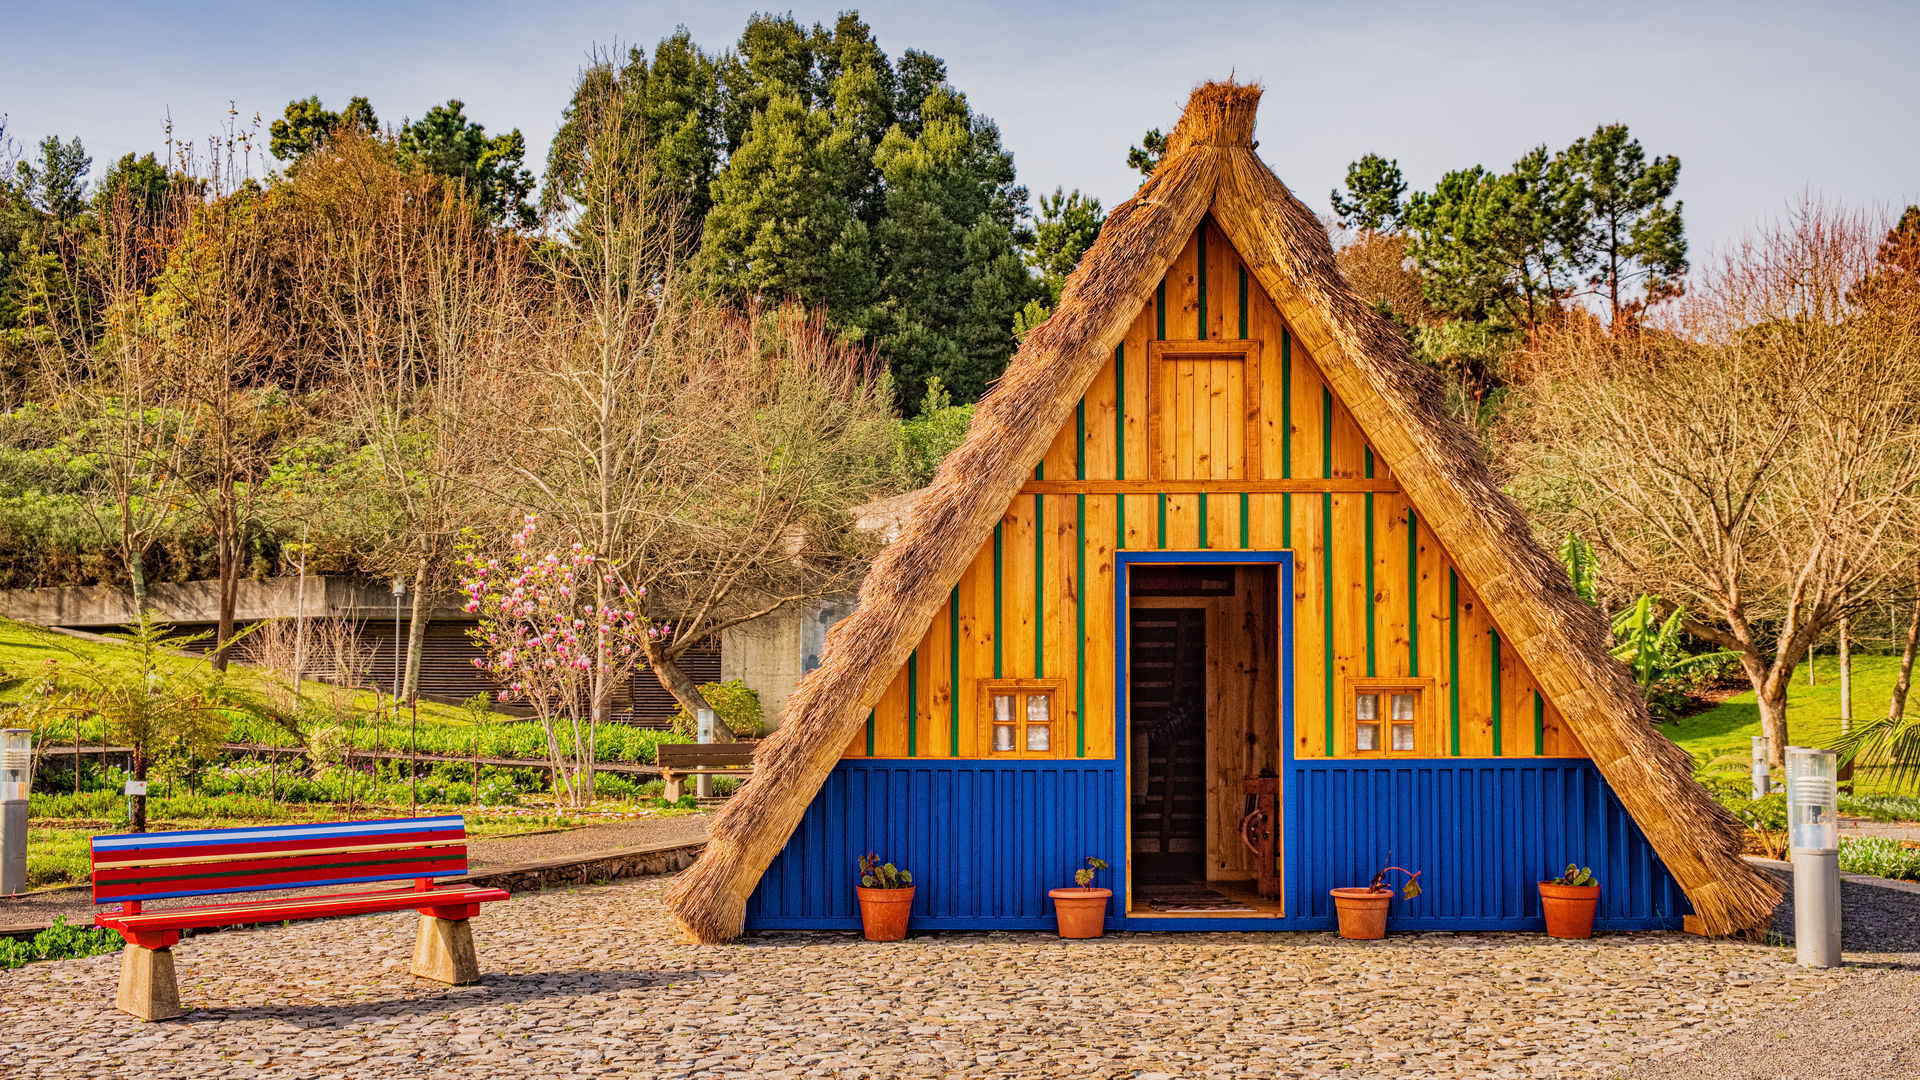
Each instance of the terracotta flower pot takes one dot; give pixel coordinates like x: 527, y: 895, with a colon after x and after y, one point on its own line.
x: 1082, y: 913
x: 1569, y: 909
x: 884, y: 912
x: 1363, y: 912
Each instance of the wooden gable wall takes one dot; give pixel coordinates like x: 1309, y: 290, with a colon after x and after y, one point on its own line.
x: 1179, y: 446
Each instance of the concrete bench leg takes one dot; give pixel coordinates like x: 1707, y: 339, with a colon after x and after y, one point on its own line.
x: 147, y: 987
x: 444, y: 952
x: 674, y: 787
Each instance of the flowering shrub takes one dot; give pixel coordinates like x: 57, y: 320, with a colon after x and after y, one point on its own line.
x: 561, y: 633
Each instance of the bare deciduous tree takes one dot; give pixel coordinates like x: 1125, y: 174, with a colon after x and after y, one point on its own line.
x: 1757, y: 461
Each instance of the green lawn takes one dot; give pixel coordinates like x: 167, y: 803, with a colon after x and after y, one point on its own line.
x: 1813, y: 712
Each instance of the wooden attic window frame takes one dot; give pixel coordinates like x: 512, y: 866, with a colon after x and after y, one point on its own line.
x: 1426, y: 728
x: 1245, y: 350
x: 1059, y: 728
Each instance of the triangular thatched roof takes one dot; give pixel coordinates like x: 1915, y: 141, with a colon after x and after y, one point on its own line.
x: 1210, y: 166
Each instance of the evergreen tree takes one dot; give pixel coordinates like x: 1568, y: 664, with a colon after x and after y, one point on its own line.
x: 670, y: 115
x: 445, y: 142
x: 1146, y: 157
x: 57, y: 186
x: 1499, y: 246
x: 1374, y: 190
x: 1066, y: 227
x: 307, y: 124
x: 1631, y: 233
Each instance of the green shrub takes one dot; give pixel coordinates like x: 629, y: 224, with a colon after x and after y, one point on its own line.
x: 61, y: 941
x: 1881, y: 807
x: 1880, y: 856
x: 737, y: 704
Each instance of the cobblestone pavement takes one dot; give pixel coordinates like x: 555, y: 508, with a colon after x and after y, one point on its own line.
x: 591, y: 982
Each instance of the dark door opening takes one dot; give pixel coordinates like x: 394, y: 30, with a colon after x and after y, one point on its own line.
x: 1167, y: 686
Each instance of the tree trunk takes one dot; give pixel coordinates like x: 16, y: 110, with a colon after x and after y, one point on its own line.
x: 139, y: 814
x: 1846, y: 692
x: 229, y: 595
x: 416, y: 635
x: 1771, y: 694
x: 1897, y: 704
x: 675, y: 682
x: 137, y: 578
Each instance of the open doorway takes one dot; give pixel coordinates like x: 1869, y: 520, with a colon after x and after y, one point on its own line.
x: 1203, y: 728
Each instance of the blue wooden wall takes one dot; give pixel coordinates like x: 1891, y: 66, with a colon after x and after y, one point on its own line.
x: 986, y: 840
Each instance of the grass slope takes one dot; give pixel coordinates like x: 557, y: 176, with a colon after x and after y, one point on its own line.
x: 1813, y: 712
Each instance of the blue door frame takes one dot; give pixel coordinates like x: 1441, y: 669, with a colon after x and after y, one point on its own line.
x: 1124, y: 562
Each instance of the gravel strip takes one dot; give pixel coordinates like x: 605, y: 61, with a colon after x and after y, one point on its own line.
x: 592, y: 982
x: 41, y: 908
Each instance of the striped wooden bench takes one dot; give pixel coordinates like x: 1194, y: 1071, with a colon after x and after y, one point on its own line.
x: 678, y: 761
x: 133, y: 868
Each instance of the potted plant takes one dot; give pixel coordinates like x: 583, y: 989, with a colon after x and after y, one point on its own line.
x: 886, y: 899
x: 1568, y: 902
x: 1363, y: 912
x: 1081, y: 911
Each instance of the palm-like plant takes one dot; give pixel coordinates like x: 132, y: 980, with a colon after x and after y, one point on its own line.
x: 1651, y: 647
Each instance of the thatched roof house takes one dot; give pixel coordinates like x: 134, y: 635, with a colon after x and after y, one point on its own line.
x: 1214, y: 525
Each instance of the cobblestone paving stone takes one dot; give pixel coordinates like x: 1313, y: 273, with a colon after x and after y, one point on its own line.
x: 592, y: 982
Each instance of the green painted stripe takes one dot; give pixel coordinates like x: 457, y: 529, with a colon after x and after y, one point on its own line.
x: 1413, y: 593
x: 1494, y: 636
x: 1539, y: 725
x: 1203, y: 520
x: 1243, y: 303
x: 1080, y: 440
x: 1202, y: 236
x: 869, y: 732
x: 913, y: 702
x: 1080, y: 628
x: 1369, y: 452
x: 1039, y: 587
x: 953, y: 672
x: 999, y: 562
x: 1245, y: 501
x: 1326, y: 603
x: 1370, y: 593
x: 1286, y: 404
x: 1453, y: 654
x: 1120, y: 412
x: 1120, y: 521
x: 1160, y: 310
x: 1326, y: 433
x: 1286, y: 520
x: 1163, y: 519
x: 1040, y: 470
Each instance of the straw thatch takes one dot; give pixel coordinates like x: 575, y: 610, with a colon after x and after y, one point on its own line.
x: 1210, y: 165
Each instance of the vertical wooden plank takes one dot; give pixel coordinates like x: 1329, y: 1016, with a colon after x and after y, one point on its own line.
x: 1351, y: 603
x: 1222, y: 518
x: 1309, y: 397
x: 976, y: 652
x: 1311, y: 660
x: 1102, y: 424
x: 1057, y: 591
x: 1183, y: 522
x: 1077, y: 589
x: 890, y: 718
x: 1476, y: 702
x: 1349, y: 448
x: 1263, y: 523
x: 954, y: 710
x: 1017, y: 598
x: 1190, y: 451
x: 1061, y: 455
x: 936, y: 727
x: 1223, y: 419
x: 1390, y: 584
x: 1099, y: 636
x: 1138, y: 389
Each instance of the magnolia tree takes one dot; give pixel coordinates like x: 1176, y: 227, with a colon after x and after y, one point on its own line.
x: 560, y: 632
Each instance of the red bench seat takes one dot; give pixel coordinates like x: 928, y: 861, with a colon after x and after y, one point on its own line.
x: 133, y: 868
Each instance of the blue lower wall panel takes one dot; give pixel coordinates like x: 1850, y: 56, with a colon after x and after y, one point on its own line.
x: 986, y: 840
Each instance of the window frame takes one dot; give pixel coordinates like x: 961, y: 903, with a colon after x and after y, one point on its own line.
x: 1022, y: 689
x: 1425, y: 727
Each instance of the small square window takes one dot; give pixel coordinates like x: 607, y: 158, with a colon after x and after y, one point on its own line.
x: 1387, y: 717
x: 1020, y: 715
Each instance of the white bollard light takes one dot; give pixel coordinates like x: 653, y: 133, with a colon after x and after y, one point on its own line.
x: 1762, y: 781
x: 1813, y: 833
x: 16, y: 768
x: 704, y: 722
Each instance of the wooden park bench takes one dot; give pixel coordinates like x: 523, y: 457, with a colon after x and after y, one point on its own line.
x: 678, y: 761
x: 136, y: 867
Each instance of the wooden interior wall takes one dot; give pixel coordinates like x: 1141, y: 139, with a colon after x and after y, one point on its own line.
x: 1382, y: 599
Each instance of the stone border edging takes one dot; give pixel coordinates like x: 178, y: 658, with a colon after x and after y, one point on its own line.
x: 1786, y: 866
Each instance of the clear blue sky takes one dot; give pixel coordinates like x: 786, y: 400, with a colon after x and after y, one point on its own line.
x: 1761, y: 101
